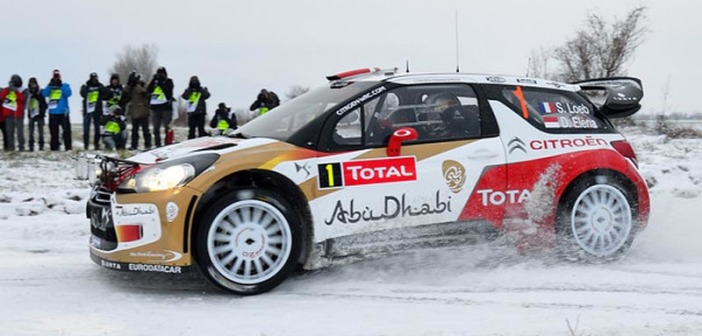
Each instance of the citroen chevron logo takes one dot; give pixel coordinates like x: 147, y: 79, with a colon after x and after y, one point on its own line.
x: 516, y: 144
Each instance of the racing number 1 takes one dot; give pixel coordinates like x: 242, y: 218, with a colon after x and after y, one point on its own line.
x: 330, y: 171
x: 330, y: 175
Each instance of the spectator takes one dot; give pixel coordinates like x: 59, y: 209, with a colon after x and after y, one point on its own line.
x: 263, y: 103
x: 36, y: 113
x: 161, y: 90
x: 116, y: 93
x: 94, y: 94
x: 13, y: 100
x: 274, y: 100
x: 137, y: 101
x: 224, y: 120
x: 196, y: 95
x: 58, y: 93
x: 5, y: 140
x: 114, y: 129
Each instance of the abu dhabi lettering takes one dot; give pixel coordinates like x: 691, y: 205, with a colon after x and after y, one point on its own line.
x: 393, y: 207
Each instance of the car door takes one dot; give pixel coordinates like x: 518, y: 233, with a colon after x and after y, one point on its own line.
x: 408, y: 157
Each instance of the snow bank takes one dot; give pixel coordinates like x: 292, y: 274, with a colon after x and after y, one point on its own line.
x: 49, y: 285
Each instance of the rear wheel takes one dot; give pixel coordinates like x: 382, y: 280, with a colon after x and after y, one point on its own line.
x: 596, y: 222
x: 249, y: 241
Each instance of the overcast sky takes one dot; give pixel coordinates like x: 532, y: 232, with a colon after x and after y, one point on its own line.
x: 239, y: 47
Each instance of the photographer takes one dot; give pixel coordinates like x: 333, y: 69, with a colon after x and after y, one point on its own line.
x: 12, y: 109
x: 137, y: 101
x: 196, y: 95
x: 224, y: 120
x: 114, y: 126
x: 161, y: 104
x: 36, y: 113
x: 57, y: 94
x: 94, y: 94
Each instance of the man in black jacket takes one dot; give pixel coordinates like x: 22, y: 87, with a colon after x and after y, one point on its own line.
x: 36, y: 113
x: 116, y: 94
x: 196, y: 95
x: 224, y: 120
x: 94, y: 94
x: 161, y: 90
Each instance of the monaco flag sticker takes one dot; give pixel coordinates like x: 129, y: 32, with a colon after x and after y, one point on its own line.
x: 551, y: 122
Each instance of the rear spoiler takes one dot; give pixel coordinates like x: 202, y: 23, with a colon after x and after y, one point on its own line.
x: 616, y: 97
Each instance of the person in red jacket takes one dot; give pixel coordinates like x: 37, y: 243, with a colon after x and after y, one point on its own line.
x: 5, y: 141
x: 12, y: 98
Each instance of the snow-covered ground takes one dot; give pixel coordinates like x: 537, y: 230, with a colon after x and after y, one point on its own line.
x: 49, y: 286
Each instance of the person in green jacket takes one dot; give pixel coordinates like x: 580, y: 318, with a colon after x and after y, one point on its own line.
x: 114, y: 127
x: 224, y: 120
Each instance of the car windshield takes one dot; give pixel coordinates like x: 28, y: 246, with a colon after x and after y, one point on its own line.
x: 283, y: 121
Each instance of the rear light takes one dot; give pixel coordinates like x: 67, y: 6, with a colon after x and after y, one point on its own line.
x: 625, y: 149
x: 129, y: 233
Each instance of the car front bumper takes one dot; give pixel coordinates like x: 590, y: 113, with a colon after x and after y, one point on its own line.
x: 145, y: 232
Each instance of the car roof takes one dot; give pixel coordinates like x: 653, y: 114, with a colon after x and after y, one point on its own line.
x: 376, y: 74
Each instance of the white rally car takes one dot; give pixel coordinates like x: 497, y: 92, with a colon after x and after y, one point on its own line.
x: 377, y: 161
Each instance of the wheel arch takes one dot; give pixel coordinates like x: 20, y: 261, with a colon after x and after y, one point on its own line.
x: 264, y: 179
x: 629, y: 186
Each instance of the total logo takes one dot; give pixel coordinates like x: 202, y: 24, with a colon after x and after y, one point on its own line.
x: 496, y: 197
x: 364, y: 172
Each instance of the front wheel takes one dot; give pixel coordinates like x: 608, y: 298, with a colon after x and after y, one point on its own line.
x: 249, y: 241
x: 596, y: 221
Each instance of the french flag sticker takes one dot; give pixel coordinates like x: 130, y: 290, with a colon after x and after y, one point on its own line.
x: 551, y: 122
x: 548, y: 107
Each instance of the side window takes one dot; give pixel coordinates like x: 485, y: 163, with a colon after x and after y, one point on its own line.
x: 554, y: 110
x: 348, y: 130
x: 440, y: 112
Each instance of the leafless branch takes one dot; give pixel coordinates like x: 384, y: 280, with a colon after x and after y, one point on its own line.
x: 141, y: 59
x: 601, y: 49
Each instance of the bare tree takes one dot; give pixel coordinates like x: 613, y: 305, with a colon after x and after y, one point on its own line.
x: 601, y: 49
x: 141, y: 59
x: 539, y: 62
x: 296, y: 90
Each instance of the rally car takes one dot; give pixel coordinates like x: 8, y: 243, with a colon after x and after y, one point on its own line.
x: 378, y: 161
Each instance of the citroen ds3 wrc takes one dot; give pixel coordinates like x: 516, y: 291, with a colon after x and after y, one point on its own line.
x: 377, y: 161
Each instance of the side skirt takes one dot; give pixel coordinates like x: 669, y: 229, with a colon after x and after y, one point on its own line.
x: 378, y: 243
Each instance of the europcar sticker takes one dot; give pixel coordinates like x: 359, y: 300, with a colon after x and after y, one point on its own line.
x: 364, y: 172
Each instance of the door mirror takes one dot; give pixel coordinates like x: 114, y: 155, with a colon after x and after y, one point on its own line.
x: 398, y: 137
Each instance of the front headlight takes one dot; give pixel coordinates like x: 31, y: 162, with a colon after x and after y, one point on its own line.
x: 167, y: 175
x: 157, y: 179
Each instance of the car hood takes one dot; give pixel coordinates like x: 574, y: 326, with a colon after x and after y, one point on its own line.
x: 185, y: 148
